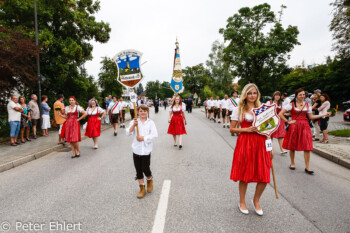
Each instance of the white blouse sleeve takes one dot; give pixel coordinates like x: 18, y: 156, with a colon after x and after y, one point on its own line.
x: 66, y: 109
x: 309, y: 109
x: 100, y: 110
x: 79, y: 109
x: 170, y: 109
x: 234, y: 115
x: 183, y: 108
x: 287, y: 107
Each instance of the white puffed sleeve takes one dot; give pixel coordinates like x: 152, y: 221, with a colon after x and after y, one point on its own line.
x: 79, y: 109
x: 309, y: 109
x: 287, y: 107
x: 234, y: 115
x: 100, y: 110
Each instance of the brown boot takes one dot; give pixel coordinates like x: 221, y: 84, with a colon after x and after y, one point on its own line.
x: 150, y: 185
x: 142, y: 192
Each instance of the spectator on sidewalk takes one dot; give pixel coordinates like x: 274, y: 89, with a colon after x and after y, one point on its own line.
x: 45, y: 110
x: 315, y: 123
x: 323, y: 109
x: 34, y: 113
x: 14, y: 117
x: 25, y: 119
x: 58, y: 106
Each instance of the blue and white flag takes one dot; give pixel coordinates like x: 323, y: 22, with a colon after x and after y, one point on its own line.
x: 176, y: 80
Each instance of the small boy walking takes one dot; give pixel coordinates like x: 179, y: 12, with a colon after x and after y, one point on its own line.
x: 142, y: 147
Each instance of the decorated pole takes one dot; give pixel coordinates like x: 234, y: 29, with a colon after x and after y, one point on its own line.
x: 129, y: 72
x: 267, y: 121
x: 176, y: 80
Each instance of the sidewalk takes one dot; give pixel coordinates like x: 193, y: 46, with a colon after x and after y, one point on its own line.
x: 13, y: 156
x: 337, y: 150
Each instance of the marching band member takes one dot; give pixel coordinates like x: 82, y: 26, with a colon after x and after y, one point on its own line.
x: 71, y: 127
x: 116, y: 111
x: 123, y: 106
x: 224, y: 110
x: 177, y: 120
x: 299, y: 137
x: 251, y: 160
x: 210, y: 106
x: 234, y: 100
x: 280, y: 133
x: 132, y: 110
x: 93, y: 127
x: 217, y: 107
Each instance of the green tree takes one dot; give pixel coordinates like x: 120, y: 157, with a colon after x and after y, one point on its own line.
x: 17, y: 63
x: 340, y: 26
x: 219, y: 72
x: 258, y: 46
x: 153, y: 89
x: 108, y: 78
x: 167, y: 91
x: 195, y: 78
x: 65, y: 29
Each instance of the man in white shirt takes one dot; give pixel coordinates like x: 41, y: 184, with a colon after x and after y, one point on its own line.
x: 233, y: 103
x: 116, y: 111
x: 224, y: 110
x: 123, y: 106
x: 14, y: 110
x: 210, y: 107
x: 142, y: 148
x: 217, y: 107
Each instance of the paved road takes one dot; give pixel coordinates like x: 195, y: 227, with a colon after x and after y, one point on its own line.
x: 98, y: 190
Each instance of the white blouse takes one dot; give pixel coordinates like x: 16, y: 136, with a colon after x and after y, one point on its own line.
x: 177, y: 109
x: 234, y: 116
x: 97, y: 109
x: 289, y: 107
x: 80, y: 109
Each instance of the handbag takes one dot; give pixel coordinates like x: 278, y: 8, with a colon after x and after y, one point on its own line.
x: 84, y: 126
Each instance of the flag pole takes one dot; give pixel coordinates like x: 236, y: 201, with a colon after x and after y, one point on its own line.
x: 274, y: 178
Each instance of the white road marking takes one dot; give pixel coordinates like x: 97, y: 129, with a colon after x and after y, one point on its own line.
x: 159, y: 221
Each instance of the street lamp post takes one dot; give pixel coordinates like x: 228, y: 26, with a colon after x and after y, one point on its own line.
x: 37, y: 43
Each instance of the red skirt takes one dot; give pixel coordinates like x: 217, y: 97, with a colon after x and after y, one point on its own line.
x: 280, y: 132
x: 251, y: 161
x: 71, y: 130
x: 298, y: 137
x: 93, y: 128
x: 177, y: 126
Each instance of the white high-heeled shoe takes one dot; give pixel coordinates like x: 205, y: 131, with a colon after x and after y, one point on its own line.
x: 258, y: 212
x: 242, y: 211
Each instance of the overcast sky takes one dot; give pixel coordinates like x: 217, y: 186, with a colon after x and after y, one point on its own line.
x: 152, y: 27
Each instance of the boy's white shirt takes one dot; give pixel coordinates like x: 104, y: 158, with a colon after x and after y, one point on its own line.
x: 149, y: 131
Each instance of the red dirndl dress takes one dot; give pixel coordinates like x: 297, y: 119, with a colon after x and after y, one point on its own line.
x: 251, y: 161
x: 71, y: 128
x: 281, y: 130
x: 299, y: 135
x: 93, y: 128
x: 177, y: 126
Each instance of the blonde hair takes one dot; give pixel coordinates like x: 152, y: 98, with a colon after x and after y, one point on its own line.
x: 242, y: 106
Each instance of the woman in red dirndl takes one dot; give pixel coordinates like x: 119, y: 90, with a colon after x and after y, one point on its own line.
x: 251, y: 160
x: 71, y: 127
x: 177, y: 120
x: 280, y: 133
x: 299, y: 136
x: 93, y: 127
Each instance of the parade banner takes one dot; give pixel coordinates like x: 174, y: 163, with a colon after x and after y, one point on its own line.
x: 129, y: 67
x: 266, y: 119
x: 176, y: 81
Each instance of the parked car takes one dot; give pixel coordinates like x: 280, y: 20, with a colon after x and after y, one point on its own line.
x: 346, y: 105
x: 346, y: 115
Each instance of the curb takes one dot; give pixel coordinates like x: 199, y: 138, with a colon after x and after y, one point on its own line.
x: 336, y: 159
x: 36, y: 155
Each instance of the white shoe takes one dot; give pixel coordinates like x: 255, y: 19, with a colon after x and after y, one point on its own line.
x: 242, y: 211
x: 283, y: 152
x: 258, y: 212
x: 95, y: 147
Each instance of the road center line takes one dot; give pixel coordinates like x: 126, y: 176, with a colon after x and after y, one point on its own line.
x: 159, y: 221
